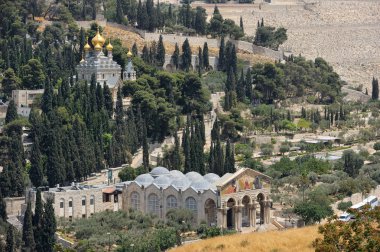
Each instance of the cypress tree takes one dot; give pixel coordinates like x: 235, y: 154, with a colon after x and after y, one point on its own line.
x: 145, y: 147
x: 11, y: 244
x: 54, y: 162
x: 27, y: 230
x: 47, y: 98
x: 248, y: 87
x: 229, y: 164
x: 206, y: 63
x: 176, y: 153
x: 36, y: 173
x: 145, y: 54
x: 241, y: 24
x: 119, y: 12
x: 108, y: 102
x: 160, y: 57
x: 200, y: 60
x: 240, y: 88
x: 135, y: 51
x: 187, y: 146
x: 216, y: 161
x: 11, y: 112
x: 221, y: 55
x: 3, y: 208
x: 49, y: 226
x: 375, y: 89
x: 175, y: 56
x: 186, y: 55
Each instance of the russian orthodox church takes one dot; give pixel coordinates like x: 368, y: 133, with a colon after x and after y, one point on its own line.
x: 106, y: 70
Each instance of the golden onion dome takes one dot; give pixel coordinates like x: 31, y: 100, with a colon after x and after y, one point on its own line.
x: 98, y: 47
x: 129, y: 54
x: 109, y: 46
x: 98, y: 39
x: 87, y: 47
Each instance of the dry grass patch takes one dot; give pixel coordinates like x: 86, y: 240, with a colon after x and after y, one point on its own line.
x: 290, y: 240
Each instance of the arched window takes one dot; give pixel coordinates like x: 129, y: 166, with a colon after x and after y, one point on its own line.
x: 92, y: 200
x: 153, y: 204
x: 171, y: 202
x: 191, y: 204
x: 135, y: 201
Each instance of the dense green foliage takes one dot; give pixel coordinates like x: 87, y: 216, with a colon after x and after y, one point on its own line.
x: 268, y: 36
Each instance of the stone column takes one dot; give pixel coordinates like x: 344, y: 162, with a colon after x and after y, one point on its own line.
x: 238, y: 218
x: 252, y: 210
x: 267, y: 212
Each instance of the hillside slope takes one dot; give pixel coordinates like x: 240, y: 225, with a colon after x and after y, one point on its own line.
x: 281, y: 241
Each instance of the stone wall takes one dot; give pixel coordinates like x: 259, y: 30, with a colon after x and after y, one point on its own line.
x: 15, y: 205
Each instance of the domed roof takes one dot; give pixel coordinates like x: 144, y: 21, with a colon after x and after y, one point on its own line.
x: 109, y: 46
x: 194, y: 176
x: 162, y: 181
x: 211, y: 177
x: 98, y: 47
x: 87, y: 46
x: 176, y: 174
x: 159, y: 171
x: 201, y: 185
x: 98, y: 39
x: 144, y: 179
x: 181, y: 183
x: 129, y: 54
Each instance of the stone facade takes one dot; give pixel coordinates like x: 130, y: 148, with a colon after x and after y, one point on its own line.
x: 81, y: 202
x: 25, y: 98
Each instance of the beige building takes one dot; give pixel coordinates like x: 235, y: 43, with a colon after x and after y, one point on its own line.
x: 232, y: 201
x: 25, y: 98
x: 81, y: 201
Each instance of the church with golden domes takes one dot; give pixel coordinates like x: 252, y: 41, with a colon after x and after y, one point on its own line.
x: 106, y: 70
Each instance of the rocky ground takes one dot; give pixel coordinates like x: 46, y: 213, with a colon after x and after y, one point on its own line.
x: 344, y: 32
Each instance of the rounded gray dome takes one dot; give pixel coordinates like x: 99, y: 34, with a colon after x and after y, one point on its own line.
x: 176, y: 174
x: 211, y: 177
x: 162, y: 181
x: 159, y: 171
x: 144, y: 179
x: 201, y: 185
x: 181, y: 183
x: 194, y: 176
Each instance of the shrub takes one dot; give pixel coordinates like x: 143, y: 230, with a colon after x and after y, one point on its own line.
x: 343, y: 206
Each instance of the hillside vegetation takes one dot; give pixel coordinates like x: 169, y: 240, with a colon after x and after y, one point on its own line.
x: 290, y: 240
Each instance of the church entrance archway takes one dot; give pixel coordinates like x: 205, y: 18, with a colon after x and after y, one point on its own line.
x: 245, y: 212
x: 210, y: 212
x: 230, y: 213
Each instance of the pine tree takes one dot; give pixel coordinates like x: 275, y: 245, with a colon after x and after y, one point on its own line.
x: 3, y: 208
x: 186, y: 55
x: 175, y: 56
x: 11, y: 244
x: 206, y: 63
x: 375, y: 89
x: 27, y: 230
x: 36, y: 174
x: 11, y: 112
x: 221, y: 55
x: 49, y: 226
x: 160, y: 57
